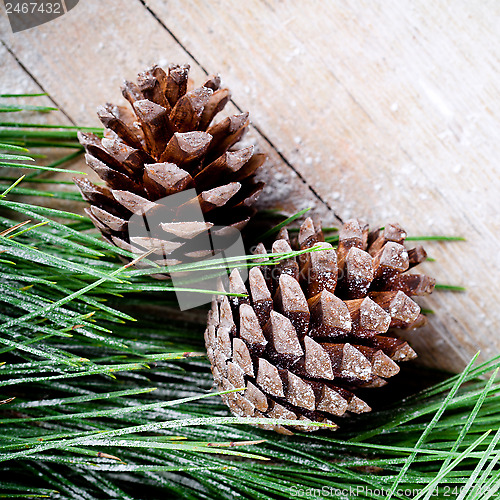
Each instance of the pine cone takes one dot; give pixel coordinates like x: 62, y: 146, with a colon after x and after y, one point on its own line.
x: 165, y: 145
x: 315, y: 329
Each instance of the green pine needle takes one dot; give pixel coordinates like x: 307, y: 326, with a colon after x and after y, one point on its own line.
x: 450, y: 288
x: 435, y: 238
x: 277, y: 228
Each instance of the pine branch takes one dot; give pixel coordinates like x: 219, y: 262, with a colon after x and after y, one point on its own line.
x: 92, y: 384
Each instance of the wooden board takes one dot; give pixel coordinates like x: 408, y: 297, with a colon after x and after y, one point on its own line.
x: 387, y: 111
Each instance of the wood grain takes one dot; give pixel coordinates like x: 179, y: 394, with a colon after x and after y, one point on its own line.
x: 387, y: 110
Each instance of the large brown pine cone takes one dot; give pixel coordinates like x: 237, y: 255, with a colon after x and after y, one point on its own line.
x: 315, y: 329
x: 165, y: 145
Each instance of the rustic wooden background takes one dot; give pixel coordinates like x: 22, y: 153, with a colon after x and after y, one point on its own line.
x: 384, y: 110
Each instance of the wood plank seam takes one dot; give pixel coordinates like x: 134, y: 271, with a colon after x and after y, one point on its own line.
x: 254, y: 126
x: 35, y: 80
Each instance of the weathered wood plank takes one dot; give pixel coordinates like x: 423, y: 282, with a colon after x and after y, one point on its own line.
x: 15, y: 79
x: 82, y: 59
x: 386, y: 111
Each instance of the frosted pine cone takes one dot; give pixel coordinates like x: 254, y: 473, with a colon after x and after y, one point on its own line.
x: 164, y: 145
x: 315, y: 329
